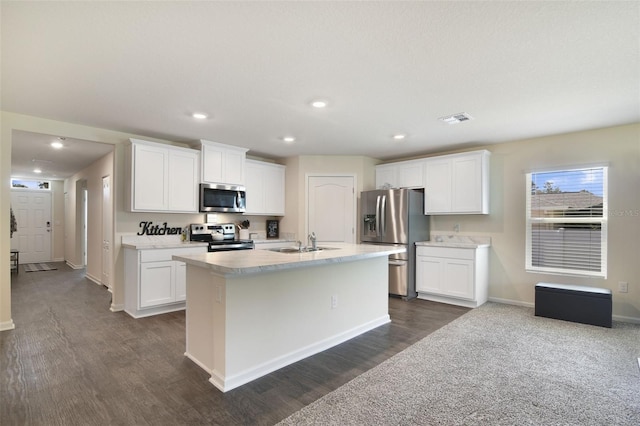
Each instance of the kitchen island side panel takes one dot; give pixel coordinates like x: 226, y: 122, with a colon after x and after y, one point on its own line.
x: 204, y: 318
x: 276, y: 318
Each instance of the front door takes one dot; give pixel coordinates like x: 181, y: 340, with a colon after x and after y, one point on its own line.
x: 32, y: 209
x: 331, y: 208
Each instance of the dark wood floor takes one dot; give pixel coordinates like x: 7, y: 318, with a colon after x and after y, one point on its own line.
x: 70, y: 361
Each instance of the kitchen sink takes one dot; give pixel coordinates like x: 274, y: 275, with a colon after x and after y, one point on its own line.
x: 303, y: 250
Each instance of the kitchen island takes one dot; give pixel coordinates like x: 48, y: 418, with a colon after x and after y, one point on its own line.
x: 251, y: 312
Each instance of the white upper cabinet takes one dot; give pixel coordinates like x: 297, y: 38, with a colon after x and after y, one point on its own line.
x: 222, y: 163
x: 403, y: 174
x: 439, y: 184
x: 387, y: 176
x: 457, y: 183
x: 183, y: 174
x: 411, y: 174
x: 163, y: 178
x: 265, y: 187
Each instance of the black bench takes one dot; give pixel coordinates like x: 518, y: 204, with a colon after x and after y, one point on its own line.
x: 586, y: 305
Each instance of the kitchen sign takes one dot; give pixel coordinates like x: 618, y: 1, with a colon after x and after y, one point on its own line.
x: 148, y: 228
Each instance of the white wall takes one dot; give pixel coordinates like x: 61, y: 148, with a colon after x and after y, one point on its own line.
x: 617, y: 146
x: 299, y: 167
x: 57, y: 219
x: 91, y: 177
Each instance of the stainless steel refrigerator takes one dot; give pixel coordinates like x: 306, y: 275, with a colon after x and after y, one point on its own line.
x: 396, y: 216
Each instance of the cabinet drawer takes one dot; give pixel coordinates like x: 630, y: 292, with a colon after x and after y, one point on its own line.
x: 160, y: 255
x: 448, y: 252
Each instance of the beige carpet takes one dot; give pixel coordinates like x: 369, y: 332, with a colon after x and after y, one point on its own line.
x: 497, y: 364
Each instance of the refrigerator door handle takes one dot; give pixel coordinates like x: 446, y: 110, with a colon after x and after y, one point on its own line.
x: 378, y: 215
x: 383, y: 218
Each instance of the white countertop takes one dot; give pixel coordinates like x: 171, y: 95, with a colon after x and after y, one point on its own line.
x: 179, y: 244
x: 145, y: 242
x: 456, y: 241
x: 243, y: 262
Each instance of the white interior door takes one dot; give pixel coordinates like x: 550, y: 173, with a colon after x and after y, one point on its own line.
x: 106, y: 231
x: 32, y: 209
x: 331, y: 208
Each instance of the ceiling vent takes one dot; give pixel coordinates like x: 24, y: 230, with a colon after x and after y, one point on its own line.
x: 456, y: 118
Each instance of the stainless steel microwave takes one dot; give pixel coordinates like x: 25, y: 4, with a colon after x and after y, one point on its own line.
x: 222, y: 198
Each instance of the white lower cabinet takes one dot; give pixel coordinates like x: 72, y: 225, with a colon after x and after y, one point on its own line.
x: 453, y: 275
x: 155, y: 284
x: 181, y: 281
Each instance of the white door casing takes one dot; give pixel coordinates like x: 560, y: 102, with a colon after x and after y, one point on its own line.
x: 106, y: 231
x: 331, y: 207
x: 32, y: 209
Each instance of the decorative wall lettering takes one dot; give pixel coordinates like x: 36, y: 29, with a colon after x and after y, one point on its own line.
x: 148, y: 228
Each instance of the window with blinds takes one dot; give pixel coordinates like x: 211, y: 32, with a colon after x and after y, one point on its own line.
x: 567, y: 222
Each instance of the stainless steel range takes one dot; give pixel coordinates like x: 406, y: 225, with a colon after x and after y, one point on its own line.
x: 220, y: 236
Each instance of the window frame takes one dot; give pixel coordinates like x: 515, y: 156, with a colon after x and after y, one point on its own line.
x: 602, y: 221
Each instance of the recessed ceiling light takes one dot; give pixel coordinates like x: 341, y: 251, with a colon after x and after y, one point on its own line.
x: 57, y: 145
x: 319, y: 103
x: 37, y: 171
x: 289, y: 139
x: 399, y: 136
x: 199, y: 115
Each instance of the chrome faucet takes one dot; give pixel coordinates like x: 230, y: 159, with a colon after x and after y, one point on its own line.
x: 313, y: 239
x: 300, y: 246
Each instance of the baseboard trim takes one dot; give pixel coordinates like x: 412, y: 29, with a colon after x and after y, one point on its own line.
x: 620, y: 318
x: 72, y: 266
x: 7, y: 325
x: 511, y: 302
x: 92, y: 278
x: 231, y: 382
x: 116, y: 308
x: 147, y: 312
x: 198, y: 363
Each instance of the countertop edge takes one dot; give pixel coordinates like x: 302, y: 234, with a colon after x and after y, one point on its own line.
x: 151, y: 246
x: 282, y: 264
x: 452, y: 245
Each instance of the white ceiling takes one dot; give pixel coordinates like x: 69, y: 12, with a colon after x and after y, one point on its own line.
x: 521, y: 69
x: 31, y: 151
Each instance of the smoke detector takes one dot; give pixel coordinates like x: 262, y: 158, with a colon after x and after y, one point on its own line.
x: 456, y: 118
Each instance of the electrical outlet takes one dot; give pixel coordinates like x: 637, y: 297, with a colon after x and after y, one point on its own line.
x: 623, y: 287
x: 334, y: 301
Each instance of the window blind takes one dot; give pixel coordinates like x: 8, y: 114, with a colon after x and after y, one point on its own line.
x: 567, y: 222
